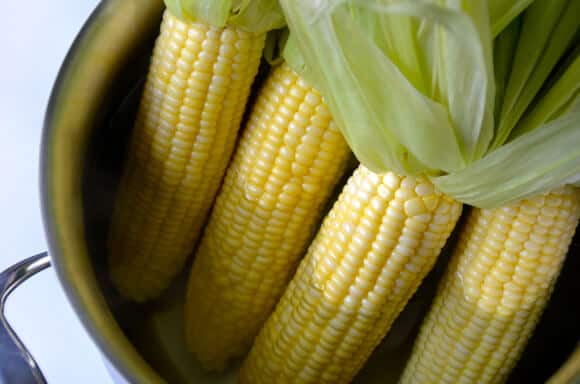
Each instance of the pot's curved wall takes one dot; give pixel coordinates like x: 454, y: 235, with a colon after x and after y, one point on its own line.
x: 114, y: 33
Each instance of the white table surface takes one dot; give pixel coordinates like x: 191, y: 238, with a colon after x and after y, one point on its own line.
x: 35, y: 36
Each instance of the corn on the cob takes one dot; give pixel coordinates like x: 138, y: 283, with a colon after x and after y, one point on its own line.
x: 283, y: 171
x: 195, y: 94
x: 378, y: 242
x: 497, y: 285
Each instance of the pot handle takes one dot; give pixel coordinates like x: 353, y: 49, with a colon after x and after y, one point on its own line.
x: 16, y: 363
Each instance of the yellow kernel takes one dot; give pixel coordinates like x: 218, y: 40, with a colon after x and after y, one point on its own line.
x: 414, y: 207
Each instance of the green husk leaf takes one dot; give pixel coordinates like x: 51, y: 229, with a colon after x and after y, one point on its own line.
x: 257, y: 16
x: 548, y: 29
x: 572, y: 105
x: 534, y: 162
x: 399, y: 39
x: 462, y: 58
x: 408, y: 82
x: 561, y: 98
x: 503, y: 53
x: 469, y: 108
x: 274, y: 46
x: 502, y: 12
x: 295, y: 60
x: 543, y: 151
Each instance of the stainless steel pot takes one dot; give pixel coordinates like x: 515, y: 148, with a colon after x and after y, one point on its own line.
x: 88, y: 121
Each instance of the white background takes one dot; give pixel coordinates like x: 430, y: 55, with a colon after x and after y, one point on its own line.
x: 34, y: 38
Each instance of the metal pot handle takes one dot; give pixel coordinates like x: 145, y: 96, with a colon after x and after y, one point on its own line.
x: 16, y: 363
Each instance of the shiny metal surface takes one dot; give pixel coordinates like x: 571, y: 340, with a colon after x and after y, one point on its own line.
x: 16, y: 363
x: 91, y: 82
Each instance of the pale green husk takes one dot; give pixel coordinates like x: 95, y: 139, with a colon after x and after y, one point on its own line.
x: 562, y: 97
x: 381, y: 75
x: 411, y: 85
x: 251, y: 15
x: 542, y: 150
x: 532, y: 163
x: 502, y: 12
x: 503, y: 49
x: 547, y: 31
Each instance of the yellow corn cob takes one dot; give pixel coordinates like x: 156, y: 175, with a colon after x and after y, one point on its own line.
x: 375, y: 246
x: 195, y: 94
x: 497, y: 285
x: 283, y: 171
